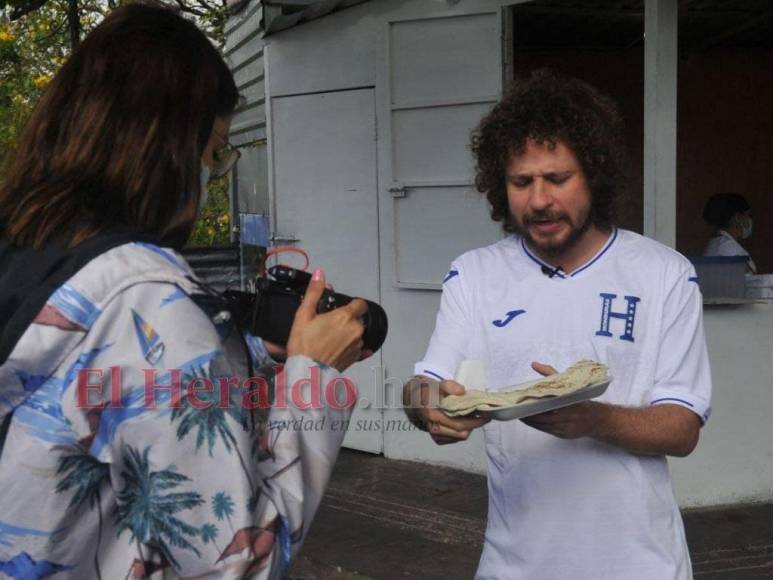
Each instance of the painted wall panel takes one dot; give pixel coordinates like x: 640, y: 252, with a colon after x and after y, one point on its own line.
x: 432, y: 144
x: 430, y: 63
x: 249, y: 71
x: 251, y: 181
x: 326, y: 180
x: 250, y: 118
x: 429, y: 222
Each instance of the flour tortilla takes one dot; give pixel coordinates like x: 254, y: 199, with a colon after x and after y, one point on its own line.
x: 581, y: 374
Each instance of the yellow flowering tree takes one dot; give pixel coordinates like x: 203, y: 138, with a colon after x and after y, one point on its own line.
x: 30, y: 54
x: 213, y: 227
x: 36, y: 37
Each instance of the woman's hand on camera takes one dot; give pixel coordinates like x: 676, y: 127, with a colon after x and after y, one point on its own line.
x: 333, y: 338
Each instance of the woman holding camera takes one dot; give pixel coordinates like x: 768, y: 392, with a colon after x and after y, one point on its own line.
x: 131, y: 438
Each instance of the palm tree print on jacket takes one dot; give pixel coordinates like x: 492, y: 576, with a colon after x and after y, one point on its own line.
x: 147, y: 507
x: 211, y: 423
x: 86, y: 475
x: 223, y: 507
x: 209, y: 533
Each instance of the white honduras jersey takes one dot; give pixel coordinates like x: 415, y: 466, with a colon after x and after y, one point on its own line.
x: 578, y: 509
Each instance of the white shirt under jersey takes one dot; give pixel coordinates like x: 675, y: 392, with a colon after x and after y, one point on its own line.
x: 578, y: 509
x: 723, y: 244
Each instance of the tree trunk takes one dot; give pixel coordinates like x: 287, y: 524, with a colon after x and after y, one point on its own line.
x: 73, y: 23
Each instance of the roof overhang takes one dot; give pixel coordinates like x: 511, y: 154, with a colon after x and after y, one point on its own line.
x: 280, y: 15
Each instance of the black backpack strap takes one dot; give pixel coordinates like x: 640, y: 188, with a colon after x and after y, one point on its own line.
x: 61, y: 265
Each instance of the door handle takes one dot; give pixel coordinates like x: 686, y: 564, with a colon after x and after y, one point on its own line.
x: 283, y: 238
x: 398, y: 191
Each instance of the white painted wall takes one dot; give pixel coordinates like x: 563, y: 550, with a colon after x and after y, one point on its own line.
x: 734, y: 461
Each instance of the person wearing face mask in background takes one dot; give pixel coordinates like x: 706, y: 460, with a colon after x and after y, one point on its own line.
x: 731, y: 216
x: 100, y: 311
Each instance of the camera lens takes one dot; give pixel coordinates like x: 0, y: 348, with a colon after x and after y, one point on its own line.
x: 376, y: 326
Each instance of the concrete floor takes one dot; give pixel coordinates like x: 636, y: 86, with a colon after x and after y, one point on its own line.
x: 388, y: 519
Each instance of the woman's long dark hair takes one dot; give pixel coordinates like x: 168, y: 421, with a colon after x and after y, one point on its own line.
x: 117, y: 138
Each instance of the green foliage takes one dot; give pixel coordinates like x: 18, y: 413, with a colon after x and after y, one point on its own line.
x: 213, y: 227
x: 31, y: 51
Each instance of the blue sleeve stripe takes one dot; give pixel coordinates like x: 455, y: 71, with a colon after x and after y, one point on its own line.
x: 672, y: 399
x: 451, y: 274
x: 702, y: 419
x: 437, y: 376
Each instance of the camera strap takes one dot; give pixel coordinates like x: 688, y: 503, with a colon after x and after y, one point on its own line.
x: 29, y: 277
x: 285, y: 250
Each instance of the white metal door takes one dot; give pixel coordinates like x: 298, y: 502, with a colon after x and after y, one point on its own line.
x: 442, y: 73
x: 445, y: 73
x: 324, y: 151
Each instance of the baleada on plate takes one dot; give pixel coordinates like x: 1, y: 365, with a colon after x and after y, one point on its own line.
x: 578, y: 376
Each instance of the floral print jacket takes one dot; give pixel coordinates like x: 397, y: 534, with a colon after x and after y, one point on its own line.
x: 109, y: 471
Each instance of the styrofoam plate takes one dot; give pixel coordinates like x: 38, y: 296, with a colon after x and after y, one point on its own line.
x: 537, y: 406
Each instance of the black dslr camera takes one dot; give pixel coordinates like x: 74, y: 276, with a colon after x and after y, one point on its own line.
x: 269, y: 311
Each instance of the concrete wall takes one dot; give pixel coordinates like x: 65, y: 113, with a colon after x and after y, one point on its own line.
x: 347, y: 50
x: 734, y: 459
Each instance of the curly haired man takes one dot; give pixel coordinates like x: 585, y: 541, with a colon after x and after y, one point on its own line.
x: 583, y: 492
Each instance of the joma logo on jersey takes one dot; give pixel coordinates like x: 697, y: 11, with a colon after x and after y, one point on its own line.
x: 508, y: 318
x: 607, y: 314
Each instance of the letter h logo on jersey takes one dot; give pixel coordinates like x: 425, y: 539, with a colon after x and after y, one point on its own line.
x: 629, y: 316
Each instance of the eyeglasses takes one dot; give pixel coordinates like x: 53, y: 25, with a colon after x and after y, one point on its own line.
x: 225, y: 158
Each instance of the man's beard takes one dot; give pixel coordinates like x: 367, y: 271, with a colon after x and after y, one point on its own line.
x: 551, y: 249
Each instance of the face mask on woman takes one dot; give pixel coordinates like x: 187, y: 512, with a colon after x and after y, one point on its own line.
x: 746, y: 227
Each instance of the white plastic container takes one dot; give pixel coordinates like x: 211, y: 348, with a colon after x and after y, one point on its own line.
x: 759, y: 286
x: 721, y: 276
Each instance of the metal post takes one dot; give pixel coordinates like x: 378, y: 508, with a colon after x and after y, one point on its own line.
x: 660, y: 81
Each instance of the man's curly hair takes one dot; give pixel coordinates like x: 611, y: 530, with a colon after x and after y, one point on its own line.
x: 546, y: 108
